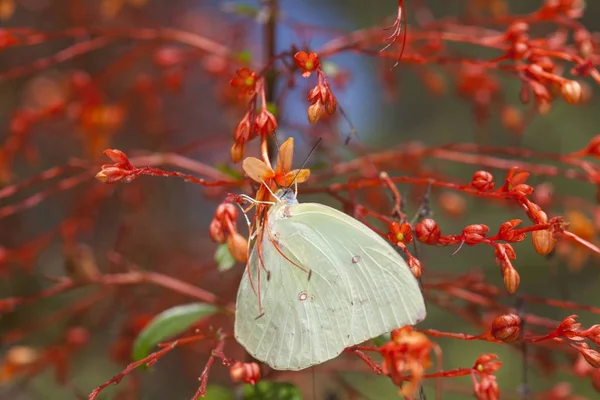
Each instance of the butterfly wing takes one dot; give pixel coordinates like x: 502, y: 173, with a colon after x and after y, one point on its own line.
x: 293, y: 330
x: 378, y: 286
x: 359, y: 288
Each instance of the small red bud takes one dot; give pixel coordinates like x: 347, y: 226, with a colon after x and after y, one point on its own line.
x: 483, y: 181
x: 237, y: 152
x: 216, y: 231
x: 314, y: 112
x: 522, y: 190
x: 506, y: 328
x: 245, y: 372
x: 474, y: 234
x: 543, y: 241
x: 571, y: 92
x: 511, y: 279
x: 238, y: 246
x: 427, y: 231
x: 226, y: 210
x: 114, y: 175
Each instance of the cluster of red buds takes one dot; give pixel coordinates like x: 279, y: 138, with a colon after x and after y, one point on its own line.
x: 120, y: 171
x: 253, y: 124
x: 570, y: 331
x: 223, y: 229
x: 245, y: 372
x: 320, y: 98
x: 408, y: 351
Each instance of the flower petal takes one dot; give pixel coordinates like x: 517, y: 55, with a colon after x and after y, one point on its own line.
x: 256, y: 169
x: 299, y: 175
x: 285, y: 156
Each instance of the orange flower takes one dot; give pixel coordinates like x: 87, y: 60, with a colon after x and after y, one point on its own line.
x: 308, y: 62
x: 282, y: 176
x: 245, y: 81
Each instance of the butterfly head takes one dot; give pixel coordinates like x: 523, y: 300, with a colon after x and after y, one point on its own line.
x: 287, y: 196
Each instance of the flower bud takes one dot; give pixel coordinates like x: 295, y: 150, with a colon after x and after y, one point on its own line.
x: 591, y: 356
x: 543, y: 241
x: 116, y: 156
x: 511, y: 279
x: 238, y: 246
x: 571, y: 92
x: 522, y: 190
x: 237, y: 152
x: 216, y: 231
x: 314, y: 112
x: 415, y: 266
x: 483, y: 181
x: 427, y: 231
x: 114, y: 175
x: 474, y: 234
x: 506, y: 231
x: 506, y: 328
x: 245, y: 372
x: 226, y: 210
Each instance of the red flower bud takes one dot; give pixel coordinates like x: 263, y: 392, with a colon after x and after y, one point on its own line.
x: 216, y: 232
x: 522, y: 190
x: 428, y: 231
x: 114, y: 175
x: 511, y: 279
x: 483, y: 181
x: 314, y: 112
x: 226, y: 210
x: 506, y: 327
x: 245, y: 372
x: 506, y: 231
x: 238, y: 246
x: 474, y: 234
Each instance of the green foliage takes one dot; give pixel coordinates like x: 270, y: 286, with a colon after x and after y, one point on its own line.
x: 169, y: 323
x: 266, y: 390
x: 223, y: 258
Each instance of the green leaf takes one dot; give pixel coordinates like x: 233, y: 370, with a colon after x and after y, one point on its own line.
x: 223, y: 258
x: 169, y: 323
x: 381, y: 340
x: 226, y: 169
x: 370, y: 386
x: 272, y: 108
x: 218, y: 392
x: 245, y: 57
x: 266, y: 390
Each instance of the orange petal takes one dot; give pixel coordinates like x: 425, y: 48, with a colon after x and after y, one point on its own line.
x: 300, y: 175
x: 256, y: 169
x: 285, y: 156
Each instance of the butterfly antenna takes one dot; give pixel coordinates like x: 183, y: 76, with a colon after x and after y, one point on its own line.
x: 278, y: 161
x: 310, y: 153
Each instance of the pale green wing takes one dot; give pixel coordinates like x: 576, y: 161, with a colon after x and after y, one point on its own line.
x: 303, y: 322
x: 379, y: 288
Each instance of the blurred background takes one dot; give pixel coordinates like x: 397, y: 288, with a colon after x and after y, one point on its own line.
x: 146, y: 96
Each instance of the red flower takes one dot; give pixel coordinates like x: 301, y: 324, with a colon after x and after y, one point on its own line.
x: 307, y: 62
x: 400, y: 233
x: 245, y: 81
